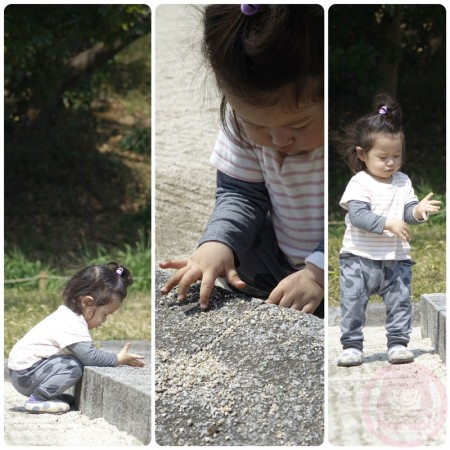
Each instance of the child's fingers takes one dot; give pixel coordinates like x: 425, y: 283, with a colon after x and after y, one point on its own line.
x: 173, y: 281
x: 275, y: 297
x: 234, y: 280
x: 206, y: 288
x: 126, y: 347
x: 189, y: 278
x: 134, y: 356
x: 309, y: 308
x: 173, y: 264
x: 136, y: 363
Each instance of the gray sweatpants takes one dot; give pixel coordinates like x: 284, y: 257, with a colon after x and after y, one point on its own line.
x: 264, y: 266
x: 49, y: 378
x: 361, y: 278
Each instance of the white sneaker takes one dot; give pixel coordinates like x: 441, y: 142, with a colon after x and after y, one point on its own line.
x: 350, y: 357
x: 399, y: 354
x: 47, y: 406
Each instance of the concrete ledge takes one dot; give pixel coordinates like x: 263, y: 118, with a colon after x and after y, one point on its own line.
x: 375, y: 314
x: 434, y: 321
x: 241, y: 373
x: 120, y: 395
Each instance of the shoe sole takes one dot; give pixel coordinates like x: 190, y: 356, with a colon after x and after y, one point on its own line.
x: 401, y: 361
x: 340, y: 364
x: 47, y: 408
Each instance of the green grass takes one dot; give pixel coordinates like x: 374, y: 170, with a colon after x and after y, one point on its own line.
x: 25, y: 304
x: 427, y: 249
x: 25, y: 308
x: 137, y: 258
x: 77, y: 195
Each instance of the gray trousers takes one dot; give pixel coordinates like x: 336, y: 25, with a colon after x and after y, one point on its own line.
x: 49, y: 378
x: 360, y: 278
x: 264, y: 266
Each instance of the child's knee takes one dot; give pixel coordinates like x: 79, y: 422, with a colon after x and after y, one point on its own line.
x: 75, y: 367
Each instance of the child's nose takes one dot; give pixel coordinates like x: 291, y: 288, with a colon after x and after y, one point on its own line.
x: 282, y: 137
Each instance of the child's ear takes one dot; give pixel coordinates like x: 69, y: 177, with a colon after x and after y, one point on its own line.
x: 360, y: 153
x: 87, y: 301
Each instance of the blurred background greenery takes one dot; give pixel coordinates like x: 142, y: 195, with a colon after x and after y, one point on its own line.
x: 77, y: 155
x: 401, y: 50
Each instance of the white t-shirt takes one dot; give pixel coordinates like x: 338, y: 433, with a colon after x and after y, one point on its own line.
x: 295, y: 184
x: 387, y: 200
x: 49, y: 338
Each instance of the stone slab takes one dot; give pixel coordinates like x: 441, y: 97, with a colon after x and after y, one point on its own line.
x: 241, y: 373
x: 434, y: 321
x: 120, y: 395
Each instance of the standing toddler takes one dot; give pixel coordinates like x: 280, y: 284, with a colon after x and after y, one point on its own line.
x: 375, y: 255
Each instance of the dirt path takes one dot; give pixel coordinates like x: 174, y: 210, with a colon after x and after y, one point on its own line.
x: 186, y: 129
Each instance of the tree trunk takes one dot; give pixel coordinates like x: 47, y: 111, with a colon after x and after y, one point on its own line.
x: 74, y: 68
x: 390, y: 63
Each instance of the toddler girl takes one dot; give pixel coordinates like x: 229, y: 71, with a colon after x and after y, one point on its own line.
x: 375, y: 254
x: 265, y: 235
x: 50, y: 358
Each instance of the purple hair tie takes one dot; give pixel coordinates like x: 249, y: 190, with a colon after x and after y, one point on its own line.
x: 119, y: 271
x: 250, y: 10
x: 383, y: 110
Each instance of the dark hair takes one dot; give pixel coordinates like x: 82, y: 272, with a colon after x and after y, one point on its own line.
x: 385, y: 118
x: 101, y: 282
x: 273, y: 56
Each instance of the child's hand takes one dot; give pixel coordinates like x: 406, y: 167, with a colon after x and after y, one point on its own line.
x: 426, y: 206
x: 397, y: 227
x: 302, y: 290
x: 129, y: 359
x: 209, y: 262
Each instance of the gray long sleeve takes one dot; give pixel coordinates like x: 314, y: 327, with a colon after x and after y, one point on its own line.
x: 362, y: 217
x: 239, y: 211
x: 89, y: 355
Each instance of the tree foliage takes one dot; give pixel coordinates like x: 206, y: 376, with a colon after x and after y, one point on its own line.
x: 77, y: 80
x: 398, y: 49
x: 49, y: 48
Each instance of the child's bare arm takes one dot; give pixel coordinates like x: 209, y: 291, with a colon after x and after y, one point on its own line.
x: 209, y: 262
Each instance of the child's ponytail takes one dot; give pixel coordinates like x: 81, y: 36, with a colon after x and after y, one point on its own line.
x: 272, y: 54
x: 388, y: 112
x: 122, y: 272
x: 385, y: 118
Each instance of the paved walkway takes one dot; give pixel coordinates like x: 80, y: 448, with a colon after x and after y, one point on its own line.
x: 381, y: 404
x: 70, y: 429
x: 114, y: 409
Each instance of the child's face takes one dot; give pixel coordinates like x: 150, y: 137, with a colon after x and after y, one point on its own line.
x: 385, y: 156
x: 289, y: 131
x: 95, y: 316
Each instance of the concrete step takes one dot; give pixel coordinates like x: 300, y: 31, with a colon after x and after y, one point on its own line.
x: 434, y: 321
x: 120, y: 395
